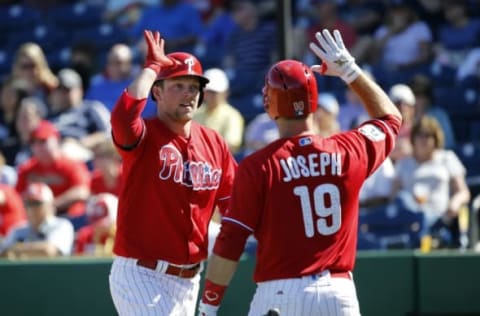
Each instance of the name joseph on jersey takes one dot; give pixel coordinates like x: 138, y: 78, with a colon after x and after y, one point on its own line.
x: 313, y: 165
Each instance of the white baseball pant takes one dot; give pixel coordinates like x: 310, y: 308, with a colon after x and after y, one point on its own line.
x: 320, y: 295
x: 137, y: 290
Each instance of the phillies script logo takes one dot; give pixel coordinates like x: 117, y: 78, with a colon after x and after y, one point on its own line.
x: 196, y: 174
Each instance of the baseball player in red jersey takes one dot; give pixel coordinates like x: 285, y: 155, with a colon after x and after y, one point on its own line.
x: 175, y: 172
x: 299, y: 195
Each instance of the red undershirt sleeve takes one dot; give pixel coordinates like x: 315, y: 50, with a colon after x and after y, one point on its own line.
x: 127, y: 124
x: 231, y: 240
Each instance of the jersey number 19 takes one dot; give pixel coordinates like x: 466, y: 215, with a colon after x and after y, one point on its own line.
x: 322, y: 211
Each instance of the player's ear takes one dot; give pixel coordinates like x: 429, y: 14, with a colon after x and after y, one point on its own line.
x: 157, y: 91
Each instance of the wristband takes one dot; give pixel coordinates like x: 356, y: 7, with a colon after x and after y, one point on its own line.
x: 153, y: 66
x: 351, y: 73
x: 213, y: 293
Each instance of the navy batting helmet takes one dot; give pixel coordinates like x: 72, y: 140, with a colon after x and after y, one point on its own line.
x: 290, y: 90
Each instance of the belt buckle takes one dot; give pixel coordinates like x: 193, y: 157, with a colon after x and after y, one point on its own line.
x: 181, y: 271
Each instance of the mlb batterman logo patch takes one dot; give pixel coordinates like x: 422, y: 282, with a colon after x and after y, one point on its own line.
x: 304, y: 141
x: 372, y: 132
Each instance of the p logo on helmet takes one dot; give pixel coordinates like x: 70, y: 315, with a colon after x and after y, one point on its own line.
x: 290, y: 90
x: 185, y: 65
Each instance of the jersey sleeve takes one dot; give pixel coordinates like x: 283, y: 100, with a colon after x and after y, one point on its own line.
x: 127, y: 124
x: 373, y: 141
x: 245, y: 206
x: 228, y: 174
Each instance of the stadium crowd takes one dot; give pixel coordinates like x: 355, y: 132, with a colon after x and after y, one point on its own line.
x: 63, y: 65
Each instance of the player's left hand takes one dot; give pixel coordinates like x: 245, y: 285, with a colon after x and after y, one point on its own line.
x: 156, y: 58
x: 207, y: 309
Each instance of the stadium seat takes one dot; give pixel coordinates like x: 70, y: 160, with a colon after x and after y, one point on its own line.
x: 469, y: 153
x: 75, y: 16
x: 17, y: 17
x: 103, y: 36
x: 390, y: 227
x: 6, y: 58
x: 249, y: 105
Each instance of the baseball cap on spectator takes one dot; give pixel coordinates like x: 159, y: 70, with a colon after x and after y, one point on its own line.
x: 328, y: 102
x: 218, y: 80
x: 69, y: 78
x: 44, y: 131
x: 102, y: 206
x: 38, y: 192
x: 402, y: 93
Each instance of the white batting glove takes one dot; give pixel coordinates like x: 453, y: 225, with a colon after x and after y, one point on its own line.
x: 207, y: 309
x: 336, y: 60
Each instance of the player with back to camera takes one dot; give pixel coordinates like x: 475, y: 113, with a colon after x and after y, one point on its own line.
x: 175, y: 172
x: 299, y: 195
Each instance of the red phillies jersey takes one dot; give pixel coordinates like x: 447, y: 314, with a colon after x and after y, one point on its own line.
x: 12, y: 211
x: 84, y: 241
x: 299, y: 196
x: 98, y: 184
x: 60, y: 176
x: 171, y: 186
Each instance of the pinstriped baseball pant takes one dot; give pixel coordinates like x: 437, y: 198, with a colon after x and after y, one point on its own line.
x: 319, y: 295
x: 139, y: 291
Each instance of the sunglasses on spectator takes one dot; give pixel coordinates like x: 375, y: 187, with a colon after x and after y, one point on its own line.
x: 425, y: 134
x: 27, y: 65
x: 33, y: 203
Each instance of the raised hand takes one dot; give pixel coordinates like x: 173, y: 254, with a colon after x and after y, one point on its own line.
x: 336, y: 60
x: 156, y: 58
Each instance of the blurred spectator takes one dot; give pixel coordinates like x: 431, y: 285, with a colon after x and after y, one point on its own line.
x: 211, y: 46
x: 30, y: 64
x: 217, y: 113
x: 431, y: 11
x: 432, y: 180
x: 402, y: 96
x: 85, y: 121
x: 8, y: 174
x: 125, y: 13
x: 107, y: 169
x: 179, y: 22
x: 377, y: 188
x: 12, y: 92
x: 403, y: 43
x: 326, y: 116
x: 324, y: 14
x: 45, y: 234
x: 68, y: 179
x: 30, y: 114
x: 12, y: 211
x: 84, y: 60
x: 208, y: 9
x: 458, y: 35
x: 351, y: 111
x: 96, y: 238
x: 470, y: 66
x: 422, y: 88
x: 250, y: 50
x: 364, y: 16
x: 115, y: 77
x: 261, y: 131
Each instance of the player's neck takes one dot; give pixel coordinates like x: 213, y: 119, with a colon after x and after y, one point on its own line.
x: 293, y: 127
